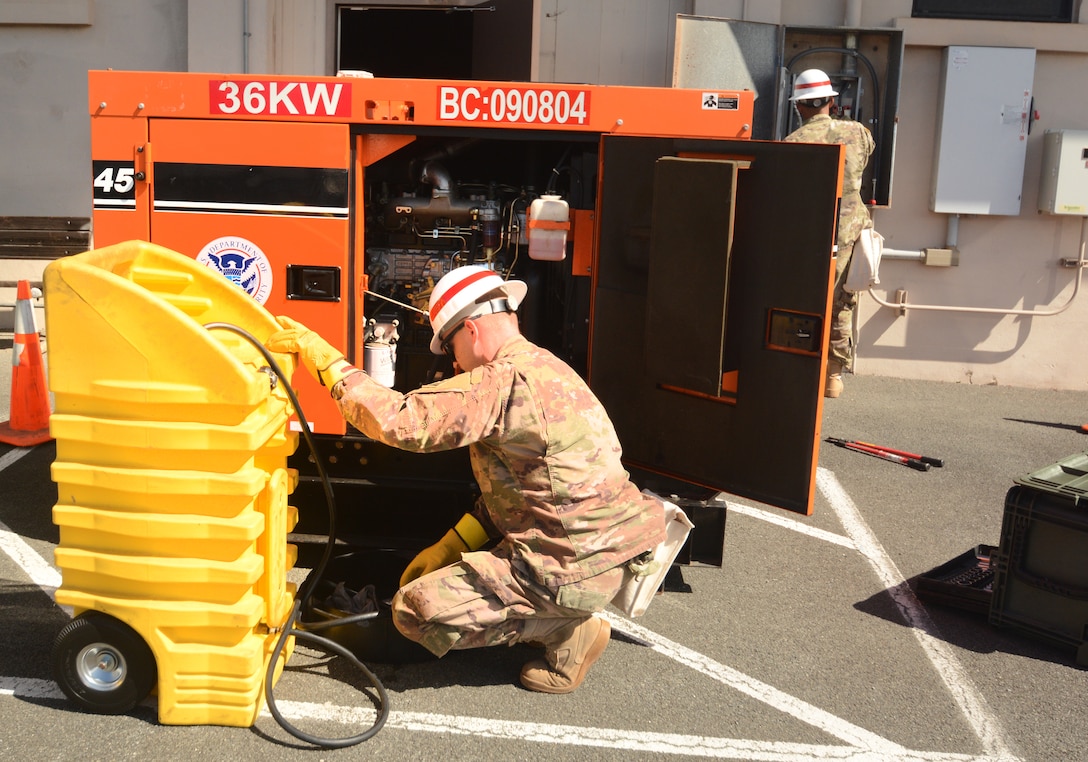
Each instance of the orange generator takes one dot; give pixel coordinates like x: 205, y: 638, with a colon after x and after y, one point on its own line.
x: 682, y: 267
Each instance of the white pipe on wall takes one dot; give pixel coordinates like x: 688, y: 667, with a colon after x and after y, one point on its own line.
x: 953, y: 234
x: 951, y: 238
x: 1079, y: 263
x: 852, y: 19
x: 909, y: 255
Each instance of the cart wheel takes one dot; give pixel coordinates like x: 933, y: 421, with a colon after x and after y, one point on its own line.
x: 102, y: 664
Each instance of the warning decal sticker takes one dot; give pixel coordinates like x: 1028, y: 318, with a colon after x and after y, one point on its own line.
x: 718, y: 102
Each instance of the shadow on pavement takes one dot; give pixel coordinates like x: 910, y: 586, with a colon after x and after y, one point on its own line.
x: 969, y: 630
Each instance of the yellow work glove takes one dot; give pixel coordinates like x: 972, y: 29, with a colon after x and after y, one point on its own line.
x: 324, y: 361
x: 467, y: 535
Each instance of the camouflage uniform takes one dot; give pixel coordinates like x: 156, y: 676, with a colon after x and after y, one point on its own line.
x: 554, y: 493
x: 853, y: 218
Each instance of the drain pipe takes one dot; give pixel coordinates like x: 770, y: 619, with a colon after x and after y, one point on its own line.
x: 245, y: 36
x: 902, y: 305
x: 851, y: 21
x: 852, y: 18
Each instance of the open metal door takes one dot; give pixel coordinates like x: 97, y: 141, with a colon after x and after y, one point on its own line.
x: 710, y: 309
x: 717, y: 53
x: 865, y: 66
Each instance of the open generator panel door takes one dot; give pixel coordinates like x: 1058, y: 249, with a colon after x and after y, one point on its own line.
x: 711, y: 298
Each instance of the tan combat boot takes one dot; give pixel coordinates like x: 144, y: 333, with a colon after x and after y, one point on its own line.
x: 834, y: 386
x: 569, y: 652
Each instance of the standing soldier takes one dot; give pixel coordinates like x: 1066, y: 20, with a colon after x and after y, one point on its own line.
x: 814, y: 96
x: 556, y: 502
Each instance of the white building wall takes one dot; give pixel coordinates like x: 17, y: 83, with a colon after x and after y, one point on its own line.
x: 609, y: 42
x: 215, y: 41
x: 1004, y: 262
x: 261, y: 36
x: 44, y: 125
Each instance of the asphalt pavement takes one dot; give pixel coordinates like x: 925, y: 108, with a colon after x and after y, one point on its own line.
x: 808, y: 644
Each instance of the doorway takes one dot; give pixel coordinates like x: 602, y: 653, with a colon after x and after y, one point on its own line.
x: 459, y: 39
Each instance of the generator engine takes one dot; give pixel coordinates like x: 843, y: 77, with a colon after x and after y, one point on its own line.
x: 438, y: 204
x: 417, y: 237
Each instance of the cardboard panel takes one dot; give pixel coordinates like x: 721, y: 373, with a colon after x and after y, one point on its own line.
x: 689, y: 264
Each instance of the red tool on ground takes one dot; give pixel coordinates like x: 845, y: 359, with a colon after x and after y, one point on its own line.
x: 937, y: 462
x: 917, y: 462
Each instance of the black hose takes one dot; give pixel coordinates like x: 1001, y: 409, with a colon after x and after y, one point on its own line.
x: 292, y: 626
x: 289, y: 629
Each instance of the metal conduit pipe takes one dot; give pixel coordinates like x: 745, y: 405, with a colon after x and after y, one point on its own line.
x: 953, y: 234
x: 919, y: 255
x: 1080, y: 263
x: 853, y: 14
x: 851, y: 20
x: 909, y: 255
x: 245, y: 36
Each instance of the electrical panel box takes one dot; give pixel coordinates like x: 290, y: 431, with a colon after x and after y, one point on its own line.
x: 982, y: 130
x: 864, y: 65
x: 1063, y: 182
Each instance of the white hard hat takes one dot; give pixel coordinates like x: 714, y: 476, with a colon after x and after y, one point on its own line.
x: 460, y: 293
x: 811, y: 84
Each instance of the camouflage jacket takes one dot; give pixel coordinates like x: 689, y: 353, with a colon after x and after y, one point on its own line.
x: 821, y: 128
x: 543, y: 451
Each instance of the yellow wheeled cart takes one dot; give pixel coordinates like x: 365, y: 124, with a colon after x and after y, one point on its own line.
x: 172, y: 480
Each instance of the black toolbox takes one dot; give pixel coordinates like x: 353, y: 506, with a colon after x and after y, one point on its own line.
x: 965, y: 582
x: 1040, y: 567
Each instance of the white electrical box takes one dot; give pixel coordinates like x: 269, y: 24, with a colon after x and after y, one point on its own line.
x: 982, y: 130
x: 1063, y: 182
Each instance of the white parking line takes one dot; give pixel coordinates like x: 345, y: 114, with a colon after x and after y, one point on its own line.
x: 559, y: 735
x: 783, y: 702
x: 36, y: 567
x: 13, y: 455
x: 974, y: 707
x: 792, y: 524
x: 862, y: 744
x: 572, y: 735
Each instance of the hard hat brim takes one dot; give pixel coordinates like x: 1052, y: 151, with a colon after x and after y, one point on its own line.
x: 828, y: 93
x: 515, y: 291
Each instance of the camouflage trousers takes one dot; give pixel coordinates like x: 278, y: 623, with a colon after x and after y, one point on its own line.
x: 483, y: 601
x: 841, y: 342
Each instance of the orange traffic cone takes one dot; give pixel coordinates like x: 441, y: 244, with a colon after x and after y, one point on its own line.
x: 29, y: 422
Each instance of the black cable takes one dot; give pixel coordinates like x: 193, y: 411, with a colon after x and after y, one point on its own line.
x: 549, y: 187
x: 289, y: 627
x: 877, y: 99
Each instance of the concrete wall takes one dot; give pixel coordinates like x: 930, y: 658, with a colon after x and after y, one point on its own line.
x: 44, y: 128
x: 261, y: 36
x: 1008, y: 262
x: 610, y: 42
